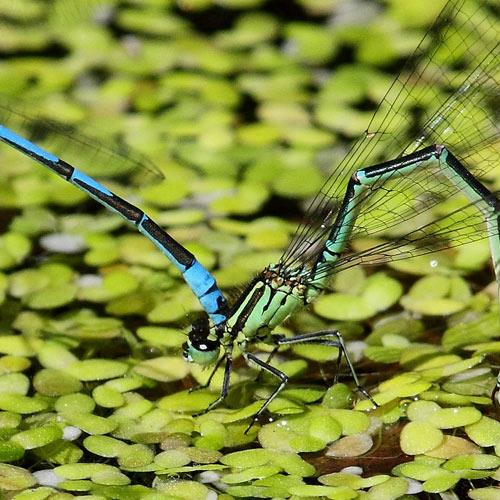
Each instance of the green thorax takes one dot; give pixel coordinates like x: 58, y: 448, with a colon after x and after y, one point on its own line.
x: 267, y: 301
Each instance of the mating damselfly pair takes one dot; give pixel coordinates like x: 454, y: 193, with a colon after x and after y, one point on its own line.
x: 433, y: 135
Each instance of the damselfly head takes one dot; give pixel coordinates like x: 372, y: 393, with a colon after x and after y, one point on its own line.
x: 200, y: 348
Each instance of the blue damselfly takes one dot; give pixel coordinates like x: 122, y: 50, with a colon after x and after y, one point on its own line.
x: 430, y: 139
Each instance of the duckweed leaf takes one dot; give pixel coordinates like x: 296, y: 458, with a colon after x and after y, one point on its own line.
x: 14, y: 478
x: 96, y: 369
x: 14, y: 247
x: 420, y: 437
x: 51, y: 382
x: 163, y: 369
x: 37, y: 437
x: 484, y: 432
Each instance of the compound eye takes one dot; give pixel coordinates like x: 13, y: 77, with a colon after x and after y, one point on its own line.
x: 202, y: 352
x: 205, y: 345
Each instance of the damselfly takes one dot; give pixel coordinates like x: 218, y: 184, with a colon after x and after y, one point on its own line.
x: 436, y: 118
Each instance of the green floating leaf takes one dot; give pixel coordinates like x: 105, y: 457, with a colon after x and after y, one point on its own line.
x: 291, y: 463
x: 418, y: 469
x: 479, y: 330
x: 115, y: 284
x: 51, y: 382
x: 305, y: 433
x: 381, y: 292
x: 158, y: 335
x: 387, y: 395
x: 441, y: 482
x: 14, y: 383
x: 421, y: 410
x: 243, y: 413
x: 96, y: 369
x: 27, y: 281
x: 409, y: 328
x: 332, y: 492
x: 193, y: 402
x: 435, y: 295
x: 91, y: 424
x: 103, y: 250
x: 111, y: 478
x: 485, y: 432
x: 55, y: 355
x: 338, y: 396
x: 135, y: 455
x: 88, y: 326
x: 9, y: 420
x: 352, y: 480
x: 290, y: 182
x: 52, y: 297
x: 38, y: 437
x: 419, y: 437
x: 83, y: 470
x: 309, y: 43
x: 34, y: 221
x: 14, y: 478
x: 16, y: 345
x: 108, y: 397
x: 449, y: 418
x: 251, y: 473
x: 377, y: 293
x: 10, y: 451
x: 18, y: 403
x: 393, y: 488
x: 183, y: 489
x: 381, y: 354
x: 124, y: 384
x: 104, y: 446
x: 448, y: 367
x: 213, y: 435
x: 163, y: 369
x: 14, y: 247
x: 135, y: 407
x: 172, y: 458
x: 343, y: 307
x: 472, y: 462
x: 246, y: 199
x: 488, y: 493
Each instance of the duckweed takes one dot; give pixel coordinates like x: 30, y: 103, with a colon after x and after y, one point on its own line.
x: 240, y: 118
x: 420, y: 437
x: 37, y: 437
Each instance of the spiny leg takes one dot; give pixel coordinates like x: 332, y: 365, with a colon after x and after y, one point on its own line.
x: 364, y: 178
x: 273, y: 371
x: 228, y: 368
x: 321, y: 338
x: 269, y: 359
x: 324, y: 337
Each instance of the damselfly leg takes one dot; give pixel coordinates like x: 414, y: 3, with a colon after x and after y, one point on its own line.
x: 329, y: 338
x: 365, y: 181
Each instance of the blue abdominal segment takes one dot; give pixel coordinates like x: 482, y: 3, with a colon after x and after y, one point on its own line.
x: 196, y: 276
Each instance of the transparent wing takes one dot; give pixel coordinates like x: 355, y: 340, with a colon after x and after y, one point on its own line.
x: 466, y: 224
x: 445, y: 94
x: 75, y: 147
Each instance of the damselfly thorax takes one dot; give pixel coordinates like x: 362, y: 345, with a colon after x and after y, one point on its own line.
x: 265, y: 303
